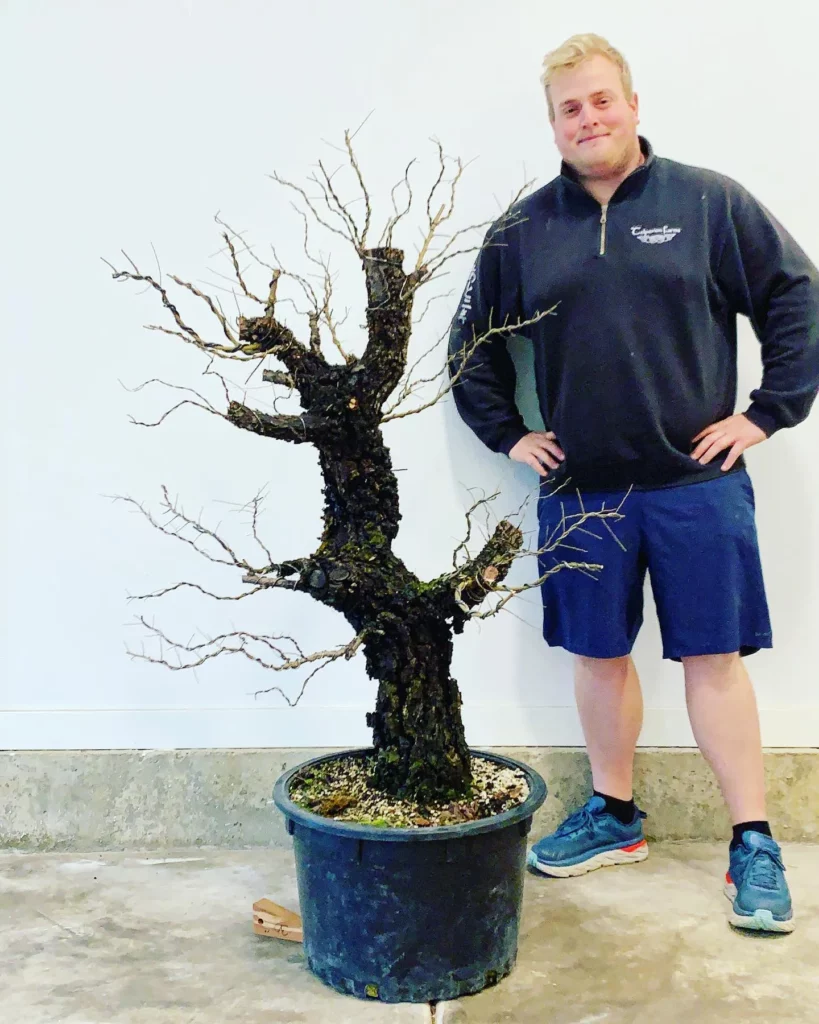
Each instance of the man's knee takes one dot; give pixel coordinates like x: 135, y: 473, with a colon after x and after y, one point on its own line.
x: 713, y: 669
x: 603, y: 670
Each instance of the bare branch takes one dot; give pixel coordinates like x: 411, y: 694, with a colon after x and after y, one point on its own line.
x: 264, y: 335
x: 577, y: 522
x: 387, y: 235
x: 410, y: 384
x: 203, y: 403
x: 235, y: 260
x: 275, y: 271
x: 266, y: 582
x: 242, y: 644
x: 178, y: 522
x: 254, y: 505
x: 433, y: 298
x: 292, y: 567
x: 315, y: 336
x: 567, y: 526
x: 335, y: 205
x: 278, y: 377
x: 438, y: 180
x: 298, y: 429
x: 186, y: 332
x: 300, y: 694
x: 195, y: 586
x: 304, y: 284
x: 348, y: 141
x: 228, y: 333
x: 510, y: 592
x: 270, y: 304
x: 463, y: 356
x: 431, y: 270
x: 185, y: 401
x: 444, y: 212
x: 343, y: 223
x: 351, y: 237
x: 470, y: 583
x: 321, y: 310
x: 510, y: 218
x: 235, y: 350
x: 271, y: 643
x: 366, y: 119
x: 469, y: 520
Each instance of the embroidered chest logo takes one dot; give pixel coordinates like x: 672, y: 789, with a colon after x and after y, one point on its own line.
x: 655, y: 236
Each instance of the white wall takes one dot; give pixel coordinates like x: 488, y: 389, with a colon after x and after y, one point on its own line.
x: 129, y: 125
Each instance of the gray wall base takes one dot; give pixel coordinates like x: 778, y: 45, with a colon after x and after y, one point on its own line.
x: 130, y: 799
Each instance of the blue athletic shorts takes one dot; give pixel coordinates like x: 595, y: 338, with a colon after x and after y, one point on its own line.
x: 697, y: 542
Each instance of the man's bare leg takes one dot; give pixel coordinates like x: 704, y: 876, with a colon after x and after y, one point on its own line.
x: 611, y: 711
x: 610, y: 703
x: 725, y: 721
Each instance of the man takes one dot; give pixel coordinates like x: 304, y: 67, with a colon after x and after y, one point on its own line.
x: 644, y: 264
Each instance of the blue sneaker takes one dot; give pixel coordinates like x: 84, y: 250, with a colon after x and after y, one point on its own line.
x: 755, y: 884
x: 588, y: 839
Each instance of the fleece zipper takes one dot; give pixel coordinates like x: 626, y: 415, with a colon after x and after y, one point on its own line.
x: 604, y: 212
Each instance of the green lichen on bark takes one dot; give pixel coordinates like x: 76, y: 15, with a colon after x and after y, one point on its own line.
x: 407, y: 624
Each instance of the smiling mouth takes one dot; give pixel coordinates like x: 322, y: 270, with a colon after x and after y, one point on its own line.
x: 592, y: 138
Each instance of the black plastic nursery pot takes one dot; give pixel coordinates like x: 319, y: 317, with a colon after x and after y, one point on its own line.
x: 410, y: 914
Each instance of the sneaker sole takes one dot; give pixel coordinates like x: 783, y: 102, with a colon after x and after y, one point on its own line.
x: 759, y: 921
x: 609, y: 858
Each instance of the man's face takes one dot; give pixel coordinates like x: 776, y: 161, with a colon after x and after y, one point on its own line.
x: 595, y: 125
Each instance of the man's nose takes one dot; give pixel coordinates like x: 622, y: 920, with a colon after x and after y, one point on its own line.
x: 588, y: 115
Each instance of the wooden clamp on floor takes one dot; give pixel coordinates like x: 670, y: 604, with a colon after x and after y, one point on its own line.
x: 276, y: 922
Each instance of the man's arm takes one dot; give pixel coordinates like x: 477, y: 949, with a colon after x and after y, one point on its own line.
x: 481, y: 369
x: 769, y: 279
x: 480, y: 366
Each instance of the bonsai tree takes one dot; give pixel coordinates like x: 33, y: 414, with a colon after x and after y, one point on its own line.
x: 404, y: 625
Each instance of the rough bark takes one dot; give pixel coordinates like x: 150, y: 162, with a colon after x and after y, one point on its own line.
x: 408, y: 623
x: 417, y: 729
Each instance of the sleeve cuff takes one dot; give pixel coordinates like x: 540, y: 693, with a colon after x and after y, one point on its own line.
x: 510, y: 439
x: 762, y: 419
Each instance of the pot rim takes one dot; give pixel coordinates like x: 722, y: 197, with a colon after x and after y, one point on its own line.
x: 433, y: 833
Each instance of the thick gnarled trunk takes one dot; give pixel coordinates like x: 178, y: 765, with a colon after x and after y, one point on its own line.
x: 418, y: 734
x: 406, y: 623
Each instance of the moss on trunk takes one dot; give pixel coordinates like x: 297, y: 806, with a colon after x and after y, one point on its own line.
x: 407, y: 623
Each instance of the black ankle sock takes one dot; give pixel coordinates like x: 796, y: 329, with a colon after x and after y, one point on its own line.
x: 623, y: 810
x: 749, y: 826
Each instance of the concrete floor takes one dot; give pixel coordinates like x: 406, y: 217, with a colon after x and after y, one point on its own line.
x: 124, y: 938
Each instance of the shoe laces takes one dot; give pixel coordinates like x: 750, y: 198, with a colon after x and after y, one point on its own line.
x: 581, y: 821
x: 761, y: 868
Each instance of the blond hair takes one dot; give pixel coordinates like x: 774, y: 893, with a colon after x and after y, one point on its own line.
x: 573, y: 52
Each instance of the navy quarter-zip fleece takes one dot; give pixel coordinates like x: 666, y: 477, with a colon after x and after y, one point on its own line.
x: 640, y: 352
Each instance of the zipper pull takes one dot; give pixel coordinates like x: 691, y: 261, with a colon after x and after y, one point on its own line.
x: 603, y: 217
